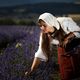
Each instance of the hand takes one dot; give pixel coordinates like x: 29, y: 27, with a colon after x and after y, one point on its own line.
x: 65, y: 42
x: 27, y: 73
x: 68, y: 39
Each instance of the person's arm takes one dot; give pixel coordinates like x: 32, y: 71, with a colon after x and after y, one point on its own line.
x: 39, y: 56
x: 35, y: 64
x: 68, y: 38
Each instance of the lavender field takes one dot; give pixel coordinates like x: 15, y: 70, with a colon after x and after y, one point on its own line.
x: 18, y: 45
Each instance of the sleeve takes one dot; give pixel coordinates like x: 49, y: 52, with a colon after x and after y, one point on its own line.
x: 55, y: 42
x: 71, y: 26
x: 39, y: 54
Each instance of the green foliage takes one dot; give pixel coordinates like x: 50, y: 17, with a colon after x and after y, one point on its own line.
x: 10, y: 21
x: 26, y: 22
x: 7, y: 21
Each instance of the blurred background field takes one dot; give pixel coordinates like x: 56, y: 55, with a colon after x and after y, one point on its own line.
x: 19, y: 37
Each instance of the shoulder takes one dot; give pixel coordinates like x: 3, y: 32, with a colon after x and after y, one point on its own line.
x: 66, y: 21
x: 61, y: 19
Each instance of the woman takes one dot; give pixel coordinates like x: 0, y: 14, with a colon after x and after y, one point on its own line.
x: 64, y: 33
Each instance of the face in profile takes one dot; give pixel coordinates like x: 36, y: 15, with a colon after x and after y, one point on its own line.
x: 45, y: 27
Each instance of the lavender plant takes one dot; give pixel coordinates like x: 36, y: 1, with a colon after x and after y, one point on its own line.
x: 18, y: 45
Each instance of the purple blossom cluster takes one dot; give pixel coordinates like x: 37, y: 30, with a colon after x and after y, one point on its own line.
x: 18, y: 45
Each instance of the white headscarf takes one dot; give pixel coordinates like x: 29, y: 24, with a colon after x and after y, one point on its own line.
x: 49, y: 19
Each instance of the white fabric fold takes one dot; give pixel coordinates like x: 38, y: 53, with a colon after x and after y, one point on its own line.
x: 50, y: 20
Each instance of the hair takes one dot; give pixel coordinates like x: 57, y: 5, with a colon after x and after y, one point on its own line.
x: 39, y: 21
x: 45, y: 44
x: 46, y: 40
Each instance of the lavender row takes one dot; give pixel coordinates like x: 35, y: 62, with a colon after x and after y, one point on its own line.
x: 17, y: 56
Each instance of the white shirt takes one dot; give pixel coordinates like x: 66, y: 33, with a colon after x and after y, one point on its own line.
x: 68, y: 25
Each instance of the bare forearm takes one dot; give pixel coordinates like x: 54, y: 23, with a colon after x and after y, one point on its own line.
x: 35, y: 63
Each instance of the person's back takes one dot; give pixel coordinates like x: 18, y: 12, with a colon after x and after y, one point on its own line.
x: 71, y: 58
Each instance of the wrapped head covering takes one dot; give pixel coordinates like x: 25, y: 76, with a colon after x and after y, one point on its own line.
x: 50, y: 20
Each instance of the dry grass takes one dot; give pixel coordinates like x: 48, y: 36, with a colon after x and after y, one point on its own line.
x: 75, y: 17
